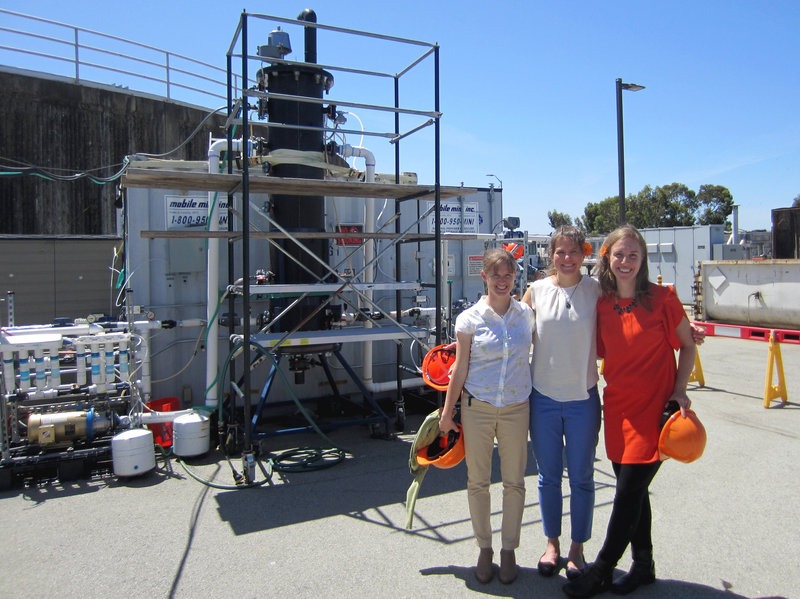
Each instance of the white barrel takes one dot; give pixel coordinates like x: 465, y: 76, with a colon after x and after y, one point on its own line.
x: 191, y: 434
x: 132, y: 452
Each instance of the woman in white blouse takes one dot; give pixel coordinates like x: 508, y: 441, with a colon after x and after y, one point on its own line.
x: 492, y: 379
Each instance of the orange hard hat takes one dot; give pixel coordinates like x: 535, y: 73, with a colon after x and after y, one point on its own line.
x: 445, y: 452
x: 436, y: 366
x: 515, y: 249
x: 683, y: 439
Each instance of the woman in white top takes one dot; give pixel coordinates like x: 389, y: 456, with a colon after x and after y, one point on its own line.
x: 492, y: 379
x: 565, y: 406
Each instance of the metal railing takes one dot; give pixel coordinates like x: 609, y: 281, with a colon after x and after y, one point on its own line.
x: 42, y: 45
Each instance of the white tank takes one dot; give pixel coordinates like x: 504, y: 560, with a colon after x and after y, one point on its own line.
x: 760, y: 293
x: 132, y: 452
x: 191, y: 434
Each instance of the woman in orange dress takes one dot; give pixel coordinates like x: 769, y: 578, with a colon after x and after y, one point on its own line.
x: 639, y: 327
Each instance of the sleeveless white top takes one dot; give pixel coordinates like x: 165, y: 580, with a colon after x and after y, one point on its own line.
x: 564, y: 362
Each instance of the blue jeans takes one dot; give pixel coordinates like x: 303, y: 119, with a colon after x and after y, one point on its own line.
x: 568, y: 428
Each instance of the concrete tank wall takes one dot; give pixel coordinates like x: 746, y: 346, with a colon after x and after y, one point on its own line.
x: 757, y: 293
x: 62, y: 127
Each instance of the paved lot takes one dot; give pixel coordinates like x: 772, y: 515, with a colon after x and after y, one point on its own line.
x: 724, y: 527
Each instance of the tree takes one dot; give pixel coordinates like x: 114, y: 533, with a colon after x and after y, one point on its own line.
x: 715, y: 205
x: 600, y: 218
x: 672, y: 205
x: 558, y: 219
x: 796, y: 203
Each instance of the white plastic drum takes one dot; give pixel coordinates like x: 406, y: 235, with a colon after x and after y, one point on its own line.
x: 191, y: 434
x: 132, y: 452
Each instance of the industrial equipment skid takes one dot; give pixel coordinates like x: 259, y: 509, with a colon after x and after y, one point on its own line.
x: 65, y: 391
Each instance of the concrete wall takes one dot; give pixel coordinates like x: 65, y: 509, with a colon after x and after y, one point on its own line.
x: 67, y: 128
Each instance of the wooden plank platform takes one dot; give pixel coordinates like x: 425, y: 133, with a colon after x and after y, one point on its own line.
x: 231, y: 183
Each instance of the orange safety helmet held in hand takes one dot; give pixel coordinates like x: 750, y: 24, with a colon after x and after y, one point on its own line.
x: 445, y: 452
x: 436, y: 366
x: 683, y: 439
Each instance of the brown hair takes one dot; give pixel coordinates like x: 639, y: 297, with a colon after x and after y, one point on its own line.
x: 570, y: 233
x: 608, y: 283
x: 496, y: 257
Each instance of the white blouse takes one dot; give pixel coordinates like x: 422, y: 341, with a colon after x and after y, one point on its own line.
x: 499, y: 372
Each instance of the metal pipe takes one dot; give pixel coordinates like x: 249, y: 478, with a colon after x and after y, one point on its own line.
x: 310, y: 33
x: 620, y: 156
x: 634, y: 87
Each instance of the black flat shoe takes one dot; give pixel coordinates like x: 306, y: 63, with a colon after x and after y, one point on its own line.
x: 573, y: 573
x: 592, y: 582
x: 547, y: 569
x: 641, y: 573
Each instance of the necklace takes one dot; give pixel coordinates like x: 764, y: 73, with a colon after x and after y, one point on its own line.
x: 569, y: 297
x: 627, y: 309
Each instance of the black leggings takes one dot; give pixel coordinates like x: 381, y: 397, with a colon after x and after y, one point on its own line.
x: 631, y: 518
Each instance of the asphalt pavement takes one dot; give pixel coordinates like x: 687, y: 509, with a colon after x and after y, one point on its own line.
x: 724, y: 527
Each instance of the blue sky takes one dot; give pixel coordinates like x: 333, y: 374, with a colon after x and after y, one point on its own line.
x: 527, y: 88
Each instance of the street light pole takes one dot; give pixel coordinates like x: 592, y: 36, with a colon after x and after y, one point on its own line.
x: 621, y: 146
x: 491, y: 198
x: 498, y: 179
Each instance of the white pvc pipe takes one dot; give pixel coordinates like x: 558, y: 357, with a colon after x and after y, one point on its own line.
x: 8, y: 371
x: 124, y: 363
x: 24, y: 371
x: 78, y: 329
x: 80, y: 363
x: 108, y: 364
x: 369, y: 248
x: 369, y: 255
x: 409, y: 383
x: 55, y: 366
x: 161, y: 417
x: 212, y: 274
x: 40, y: 373
x: 147, y: 377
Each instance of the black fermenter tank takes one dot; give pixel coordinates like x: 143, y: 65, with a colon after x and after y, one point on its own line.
x: 298, y: 213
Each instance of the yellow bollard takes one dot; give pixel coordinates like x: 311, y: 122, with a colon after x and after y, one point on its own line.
x: 774, y: 359
x: 697, y: 373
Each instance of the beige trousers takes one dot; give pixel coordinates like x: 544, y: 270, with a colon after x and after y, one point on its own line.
x: 483, y: 423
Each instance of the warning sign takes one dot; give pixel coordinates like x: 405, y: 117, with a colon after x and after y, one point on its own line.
x: 352, y: 228
x: 474, y: 265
